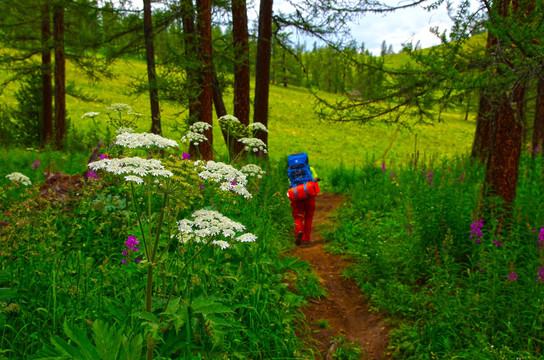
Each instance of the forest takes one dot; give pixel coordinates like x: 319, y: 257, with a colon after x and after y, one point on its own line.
x: 143, y: 207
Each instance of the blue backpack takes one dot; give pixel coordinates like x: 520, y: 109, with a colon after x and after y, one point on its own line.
x: 299, y: 169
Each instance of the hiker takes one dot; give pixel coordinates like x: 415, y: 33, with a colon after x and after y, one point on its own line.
x: 302, y: 193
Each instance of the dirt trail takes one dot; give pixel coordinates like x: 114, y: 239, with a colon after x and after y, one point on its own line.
x: 343, y: 309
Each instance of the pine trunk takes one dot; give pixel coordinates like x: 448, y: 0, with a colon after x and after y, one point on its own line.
x: 205, y: 56
x: 262, y: 72
x: 60, y: 75
x: 538, y: 132
x: 151, y: 72
x: 47, y: 78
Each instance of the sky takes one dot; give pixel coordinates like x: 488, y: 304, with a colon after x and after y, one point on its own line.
x: 408, y: 25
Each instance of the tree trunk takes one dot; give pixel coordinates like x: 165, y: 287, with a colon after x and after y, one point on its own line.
x: 47, y: 78
x: 204, y: 26
x: 60, y: 75
x: 262, y: 72
x: 538, y: 130
x: 191, y: 69
x: 503, y: 161
x: 151, y: 72
x: 241, y: 65
x: 480, y: 145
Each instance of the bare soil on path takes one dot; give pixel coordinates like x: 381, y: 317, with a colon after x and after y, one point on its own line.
x: 343, y: 309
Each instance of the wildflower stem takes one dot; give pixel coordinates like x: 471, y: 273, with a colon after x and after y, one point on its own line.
x: 139, y: 219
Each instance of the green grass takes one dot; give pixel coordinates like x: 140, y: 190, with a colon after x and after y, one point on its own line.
x: 293, y: 125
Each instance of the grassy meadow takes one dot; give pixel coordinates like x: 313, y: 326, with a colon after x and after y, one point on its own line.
x: 103, y: 267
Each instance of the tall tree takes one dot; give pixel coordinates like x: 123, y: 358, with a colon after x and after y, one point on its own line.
x: 47, y: 86
x: 204, y: 27
x: 151, y: 72
x: 262, y: 71
x: 60, y: 73
x: 241, y: 65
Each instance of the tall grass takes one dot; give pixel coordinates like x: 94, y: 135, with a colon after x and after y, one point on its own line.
x: 451, y: 291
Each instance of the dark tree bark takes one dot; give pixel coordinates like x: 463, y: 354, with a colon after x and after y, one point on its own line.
x: 47, y: 78
x: 191, y: 55
x: 503, y: 161
x: 204, y: 26
x: 482, y: 137
x: 151, y: 72
x: 60, y: 74
x: 262, y: 71
x: 538, y: 130
x: 241, y: 65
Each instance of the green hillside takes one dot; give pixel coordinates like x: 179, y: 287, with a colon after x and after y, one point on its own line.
x: 293, y: 124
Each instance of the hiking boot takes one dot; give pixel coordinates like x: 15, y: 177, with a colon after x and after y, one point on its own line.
x: 298, y: 240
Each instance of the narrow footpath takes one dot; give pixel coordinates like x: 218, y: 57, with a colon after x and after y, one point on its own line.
x: 343, y: 309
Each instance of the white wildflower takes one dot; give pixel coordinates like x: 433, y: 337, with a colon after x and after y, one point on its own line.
x: 147, y: 140
x: 247, y: 237
x: 91, y: 114
x: 118, y: 107
x: 229, y: 118
x: 258, y: 126
x: 253, y: 170
x: 200, y: 127
x: 222, y: 244
x: 134, y: 178
x: 253, y: 144
x: 194, y: 137
x: 123, y: 129
x: 19, y: 178
x: 131, y: 166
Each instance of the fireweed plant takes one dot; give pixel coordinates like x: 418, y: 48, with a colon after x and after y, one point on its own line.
x: 467, y: 280
x: 204, y: 228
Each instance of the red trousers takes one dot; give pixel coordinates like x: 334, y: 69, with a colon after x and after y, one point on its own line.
x: 303, y: 214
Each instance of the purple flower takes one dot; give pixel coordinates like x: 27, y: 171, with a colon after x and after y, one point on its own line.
x: 540, y: 275
x: 131, y: 244
x: 185, y: 156
x: 429, y: 175
x: 497, y: 242
x: 541, y: 238
x: 513, y: 277
x: 476, y: 230
x: 35, y: 164
x: 383, y: 168
x: 91, y: 175
x: 103, y: 156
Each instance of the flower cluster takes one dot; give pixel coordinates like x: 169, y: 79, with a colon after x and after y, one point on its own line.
x: 513, y: 277
x: 118, y: 107
x: 91, y: 114
x: 253, y: 144
x: 133, y: 167
x: 19, y: 178
x: 257, y: 126
x: 476, y: 230
x: 228, y: 118
x: 131, y: 244
x: 208, y: 224
x: 253, y: 170
x: 540, y: 275
x: 541, y: 238
x: 35, y: 164
x: 429, y: 175
x: 200, y: 127
x: 147, y: 140
x: 123, y: 129
x: 230, y: 178
x: 194, y: 138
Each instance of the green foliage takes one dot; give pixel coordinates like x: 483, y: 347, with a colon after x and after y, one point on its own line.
x: 451, y: 292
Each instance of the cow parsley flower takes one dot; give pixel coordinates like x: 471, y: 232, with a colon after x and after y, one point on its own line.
x: 131, y: 166
x: 253, y: 170
x: 19, y: 178
x: 123, y: 129
x: 229, y: 118
x: 194, y: 138
x: 200, y: 127
x: 253, y: 144
x: 256, y: 126
x: 207, y: 224
x: 147, y: 140
x: 91, y: 114
x: 134, y: 178
x: 118, y: 107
